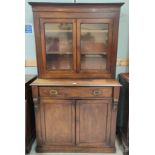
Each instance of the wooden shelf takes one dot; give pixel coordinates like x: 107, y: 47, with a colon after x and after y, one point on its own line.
x: 50, y: 31
x: 93, y: 63
x: 59, y: 62
x: 84, y: 53
x: 59, y: 53
x: 87, y: 62
x: 94, y: 53
x: 100, y: 31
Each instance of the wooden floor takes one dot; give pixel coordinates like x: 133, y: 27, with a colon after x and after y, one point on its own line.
x: 118, y: 151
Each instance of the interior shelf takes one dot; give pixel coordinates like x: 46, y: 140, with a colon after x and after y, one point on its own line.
x: 102, y: 31
x: 94, y: 53
x: 59, y: 62
x: 61, y: 53
x: 50, y: 31
x: 84, y: 53
x: 88, y: 62
x: 93, y: 63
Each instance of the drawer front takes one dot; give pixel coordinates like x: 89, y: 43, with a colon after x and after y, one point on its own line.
x: 75, y: 92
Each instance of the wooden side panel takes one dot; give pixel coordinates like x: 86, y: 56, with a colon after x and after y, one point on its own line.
x: 37, y: 115
x: 91, y: 119
x: 114, y: 44
x: 59, y: 122
x: 116, y: 91
x: 38, y: 43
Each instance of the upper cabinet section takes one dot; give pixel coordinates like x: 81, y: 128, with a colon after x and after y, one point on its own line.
x: 76, y: 40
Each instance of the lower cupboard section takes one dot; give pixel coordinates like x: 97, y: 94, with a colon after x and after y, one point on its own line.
x: 75, y: 125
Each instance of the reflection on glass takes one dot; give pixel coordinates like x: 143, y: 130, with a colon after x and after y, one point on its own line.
x: 93, y: 62
x: 94, y: 45
x: 58, y: 46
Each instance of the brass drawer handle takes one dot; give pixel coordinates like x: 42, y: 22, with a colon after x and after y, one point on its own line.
x: 97, y: 92
x: 53, y: 92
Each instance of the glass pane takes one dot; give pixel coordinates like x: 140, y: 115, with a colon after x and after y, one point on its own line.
x: 59, y: 54
x: 94, y: 45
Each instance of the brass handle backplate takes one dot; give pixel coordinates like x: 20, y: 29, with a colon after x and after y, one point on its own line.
x: 97, y: 92
x: 53, y: 92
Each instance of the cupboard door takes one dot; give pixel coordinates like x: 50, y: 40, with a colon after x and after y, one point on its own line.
x: 58, y: 40
x: 94, y: 45
x: 92, y: 122
x: 58, y: 122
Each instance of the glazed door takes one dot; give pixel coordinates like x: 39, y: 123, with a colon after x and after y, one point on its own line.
x: 92, y: 122
x: 58, y: 41
x: 58, y: 121
x: 94, y: 42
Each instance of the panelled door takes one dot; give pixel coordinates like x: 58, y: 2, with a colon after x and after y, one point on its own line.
x: 75, y: 122
x: 92, y: 122
x: 58, y: 121
x: 94, y: 42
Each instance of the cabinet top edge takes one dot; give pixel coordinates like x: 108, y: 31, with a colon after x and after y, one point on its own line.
x: 76, y: 82
x: 73, y: 4
x: 75, y: 7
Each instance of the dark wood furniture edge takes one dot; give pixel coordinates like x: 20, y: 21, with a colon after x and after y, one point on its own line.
x: 28, y: 80
x: 124, y: 80
x: 122, y: 139
x: 72, y: 4
x: 29, y: 146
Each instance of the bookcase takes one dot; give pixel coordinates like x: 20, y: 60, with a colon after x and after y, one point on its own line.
x: 76, y: 95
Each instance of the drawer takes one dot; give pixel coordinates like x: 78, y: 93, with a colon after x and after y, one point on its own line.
x: 75, y: 92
